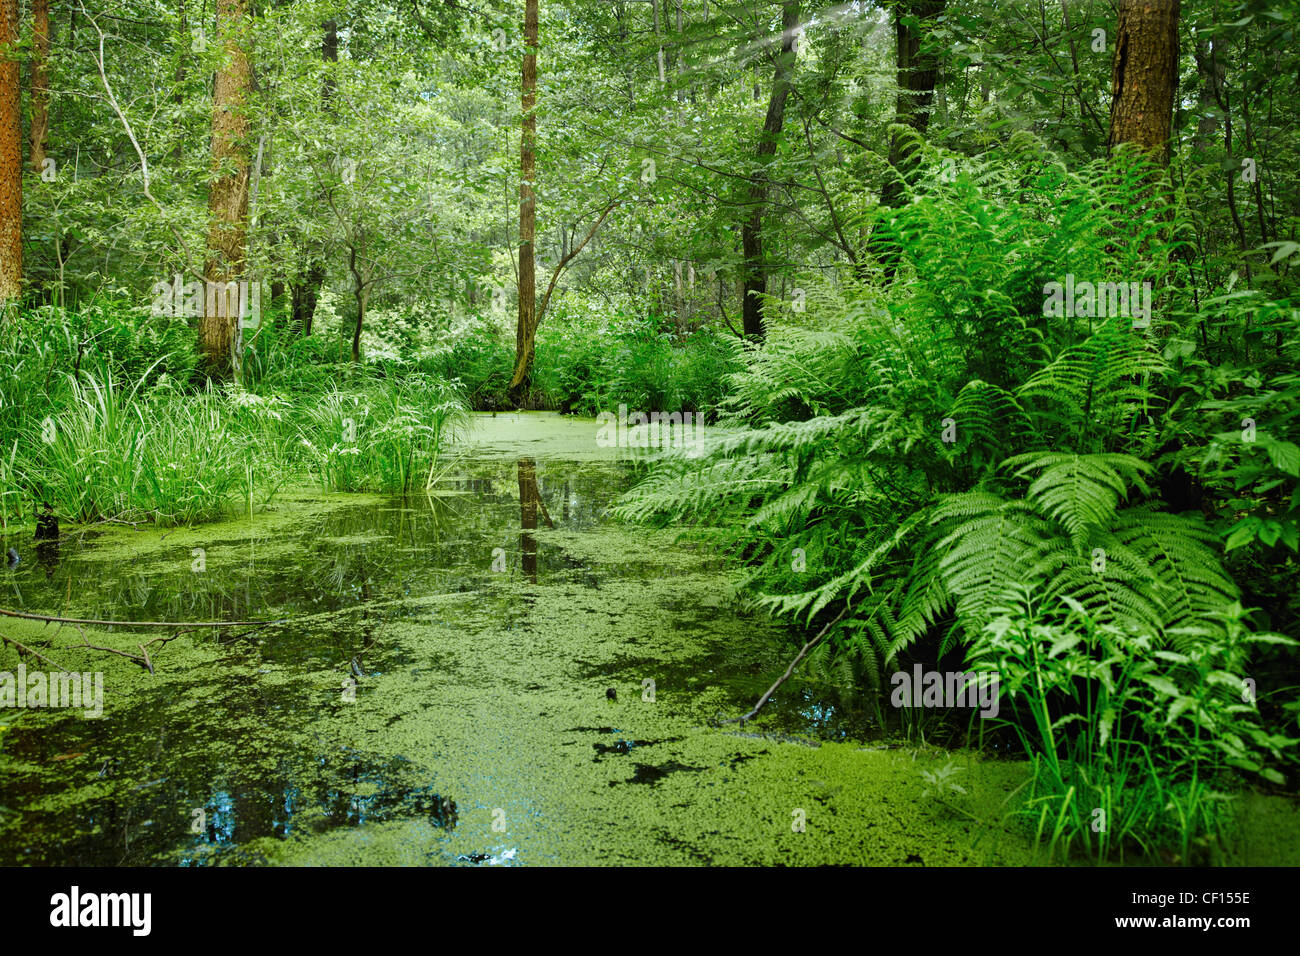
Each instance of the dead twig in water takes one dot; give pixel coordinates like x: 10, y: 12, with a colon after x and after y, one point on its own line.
x: 788, y: 671
x: 142, y: 658
x: 23, y: 648
x: 185, y: 624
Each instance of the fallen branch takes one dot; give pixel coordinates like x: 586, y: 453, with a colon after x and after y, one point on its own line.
x: 788, y: 671
x: 23, y: 648
x: 142, y: 658
x: 185, y: 624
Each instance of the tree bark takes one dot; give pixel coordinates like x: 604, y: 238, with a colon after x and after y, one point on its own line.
x: 305, y: 290
x: 228, y: 191
x: 11, y: 157
x: 38, y: 133
x: 304, y: 294
x: 1144, y: 76
x: 361, y: 293
x: 917, y: 73
x: 751, y: 230
x: 1211, y: 75
x: 527, y: 326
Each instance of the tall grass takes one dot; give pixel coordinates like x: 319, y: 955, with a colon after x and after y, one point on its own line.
x: 1134, y: 746
x: 382, y: 436
x: 113, y: 452
x: 90, y: 428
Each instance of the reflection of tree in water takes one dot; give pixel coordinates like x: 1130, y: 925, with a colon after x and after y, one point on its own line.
x: 417, y: 545
x: 47, y: 556
x: 345, y: 790
x: 530, y: 503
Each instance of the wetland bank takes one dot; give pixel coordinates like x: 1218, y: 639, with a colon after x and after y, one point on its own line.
x: 417, y: 707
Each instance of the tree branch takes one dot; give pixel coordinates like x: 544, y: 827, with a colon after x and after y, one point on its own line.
x: 555, y: 276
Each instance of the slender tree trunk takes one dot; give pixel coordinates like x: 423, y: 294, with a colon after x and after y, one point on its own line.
x: 11, y: 157
x: 751, y: 230
x: 362, y: 296
x: 38, y: 134
x: 277, y: 292
x: 1211, y: 75
x: 527, y: 327
x: 1219, y: 87
x: 303, y: 297
x: 917, y: 73
x: 1144, y: 76
x: 181, y: 58
x: 329, y: 52
x: 305, y: 291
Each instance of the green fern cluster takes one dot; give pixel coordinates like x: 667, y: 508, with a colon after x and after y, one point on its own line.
x: 915, y: 450
x: 918, y: 456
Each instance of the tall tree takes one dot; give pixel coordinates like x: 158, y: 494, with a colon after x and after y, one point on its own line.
x: 918, y: 69
x: 228, y: 188
x: 1144, y: 76
x: 527, y: 326
x: 11, y: 157
x: 38, y: 133
x: 305, y: 292
x: 751, y: 230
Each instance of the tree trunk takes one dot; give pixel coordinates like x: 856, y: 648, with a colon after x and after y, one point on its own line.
x: 356, y: 329
x: 38, y: 134
x: 277, y: 295
x: 527, y: 327
x: 1144, y: 76
x: 329, y: 53
x: 11, y: 158
x: 305, y: 291
x: 228, y: 192
x: 304, y: 294
x: 751, y: 231
x: 917, y: 72
x: 361, y: 293
x: 1211, y: 74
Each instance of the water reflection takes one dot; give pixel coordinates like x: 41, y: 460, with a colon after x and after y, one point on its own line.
x: 345, y: 558
x: 222, y: 740
x: 200, y: 745
x: 530, y: 504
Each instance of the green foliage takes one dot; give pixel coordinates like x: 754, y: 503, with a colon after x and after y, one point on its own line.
x: 384, y: 436
x: 1132, y: 743
x: 97, y: 433
x: 926, y: 451
x: 119, y: 454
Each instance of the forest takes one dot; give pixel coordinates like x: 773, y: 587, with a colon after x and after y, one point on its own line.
x: 649, y: 432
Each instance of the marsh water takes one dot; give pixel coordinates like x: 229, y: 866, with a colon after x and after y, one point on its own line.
x: 493, y: 673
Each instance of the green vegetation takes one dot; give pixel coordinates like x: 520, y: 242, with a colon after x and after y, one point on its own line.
x: 107, y: 436
x: 960, y: 476
x: 990, y: 307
